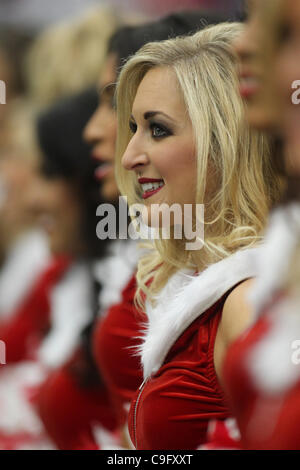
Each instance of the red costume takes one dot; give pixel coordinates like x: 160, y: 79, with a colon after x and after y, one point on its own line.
x: 39, y: 336
x: 263, y: 383
x: 115, y: 342
x: 25, y: 328
x: 172, y: 410
x: 181, y: 392
x: 70, y: 411
x: 102, y: 406
x: 23, y: 332
x: 261, y: 369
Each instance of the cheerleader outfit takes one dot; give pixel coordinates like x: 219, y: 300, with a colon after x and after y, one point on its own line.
x: 180, y: 393
x: 24, y: 262
x: 40, y: 335
x: 261, y: 369
x: 88, y: 416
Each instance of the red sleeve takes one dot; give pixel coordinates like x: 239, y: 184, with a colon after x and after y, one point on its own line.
x: 115, y: 342
x: 266, y: 420
x: 69, y: 411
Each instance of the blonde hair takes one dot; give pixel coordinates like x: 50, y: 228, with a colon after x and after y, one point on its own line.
x: 205, y: 67
x: 69, y: 56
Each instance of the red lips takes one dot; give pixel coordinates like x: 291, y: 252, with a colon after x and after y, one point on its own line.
x: 149, y: 180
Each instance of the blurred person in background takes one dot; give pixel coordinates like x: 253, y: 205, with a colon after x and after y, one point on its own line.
x: 262, y: 367
x: 45, y: 327
x: 24, y: 57
x: 24, y: 248
x: 67, y: 57
x: 14, y: 45
x: 117, y: 329
x: 157, y: 8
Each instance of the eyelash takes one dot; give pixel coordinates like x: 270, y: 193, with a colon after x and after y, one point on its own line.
x: 153, y: 126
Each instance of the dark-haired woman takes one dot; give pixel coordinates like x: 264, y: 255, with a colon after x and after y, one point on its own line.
x: 45, y: 328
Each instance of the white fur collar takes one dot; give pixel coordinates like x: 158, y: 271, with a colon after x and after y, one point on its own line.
x: 26, y: 260
x: 271, y: 361
x: 71, y: 299
x: 282, y: 237
x: 274, y: 362
x: 71, y: 310
x: 184, y: 298
x: 115, y: 271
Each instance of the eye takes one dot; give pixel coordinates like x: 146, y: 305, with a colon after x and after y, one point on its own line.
x: 132, y: 127
x: 107, y: 96
x: 159, y: 131
x: 284, y: 33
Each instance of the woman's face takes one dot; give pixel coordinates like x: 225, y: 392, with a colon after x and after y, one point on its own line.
x: 162, y: 149
x: 101, y: 131
x: 256, y: 80
x: 287, y: 75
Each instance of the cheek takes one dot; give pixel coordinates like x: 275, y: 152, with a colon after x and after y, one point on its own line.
x: 287, y: 71
x: 113, y: 134
x: 179, y: 160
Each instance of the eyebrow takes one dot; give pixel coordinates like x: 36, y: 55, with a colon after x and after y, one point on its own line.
x: 150, y: 114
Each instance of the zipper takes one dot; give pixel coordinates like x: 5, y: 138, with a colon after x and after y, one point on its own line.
x: 135, y: 410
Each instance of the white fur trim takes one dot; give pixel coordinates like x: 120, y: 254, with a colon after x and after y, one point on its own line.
x: 17, y: 413
x: 71, y: 310
x: 115, y: 271
x: 184, y: 298
x: 24, y: 263
x: 274, y: 363
x: 282, y: 236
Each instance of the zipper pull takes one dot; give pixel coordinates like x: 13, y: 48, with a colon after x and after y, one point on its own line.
x: 142, y: 384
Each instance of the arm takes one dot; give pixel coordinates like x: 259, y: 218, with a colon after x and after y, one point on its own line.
x: 235, y: 319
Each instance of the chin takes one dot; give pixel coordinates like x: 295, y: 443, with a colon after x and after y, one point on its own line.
x: 259, y: 119
x: 159, y: 219
x: 110, y: 192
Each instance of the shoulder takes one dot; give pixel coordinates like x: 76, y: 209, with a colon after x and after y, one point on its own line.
x: 236, y: 312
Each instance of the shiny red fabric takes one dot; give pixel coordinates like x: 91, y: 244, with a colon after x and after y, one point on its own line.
x: 114, y: 345
x: 266, y: 421
x: 69, y: 411
x: 173, y: 408
x: 27, y: 326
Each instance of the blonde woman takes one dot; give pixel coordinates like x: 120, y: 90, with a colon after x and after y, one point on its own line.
x: 182, y: 140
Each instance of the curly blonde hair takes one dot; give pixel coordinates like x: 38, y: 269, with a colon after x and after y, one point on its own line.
x: 206, y: 70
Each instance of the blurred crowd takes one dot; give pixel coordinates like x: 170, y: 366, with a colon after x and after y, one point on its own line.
x: 68, y: 310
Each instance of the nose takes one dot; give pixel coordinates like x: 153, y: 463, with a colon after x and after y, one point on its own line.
x: 239, y: 45
x: 134, y: 156
x: 94, y: 130
x: 245, y: 44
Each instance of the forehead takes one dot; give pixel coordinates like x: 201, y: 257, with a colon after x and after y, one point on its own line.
x: 108, y: 74
x: 159, y: 90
